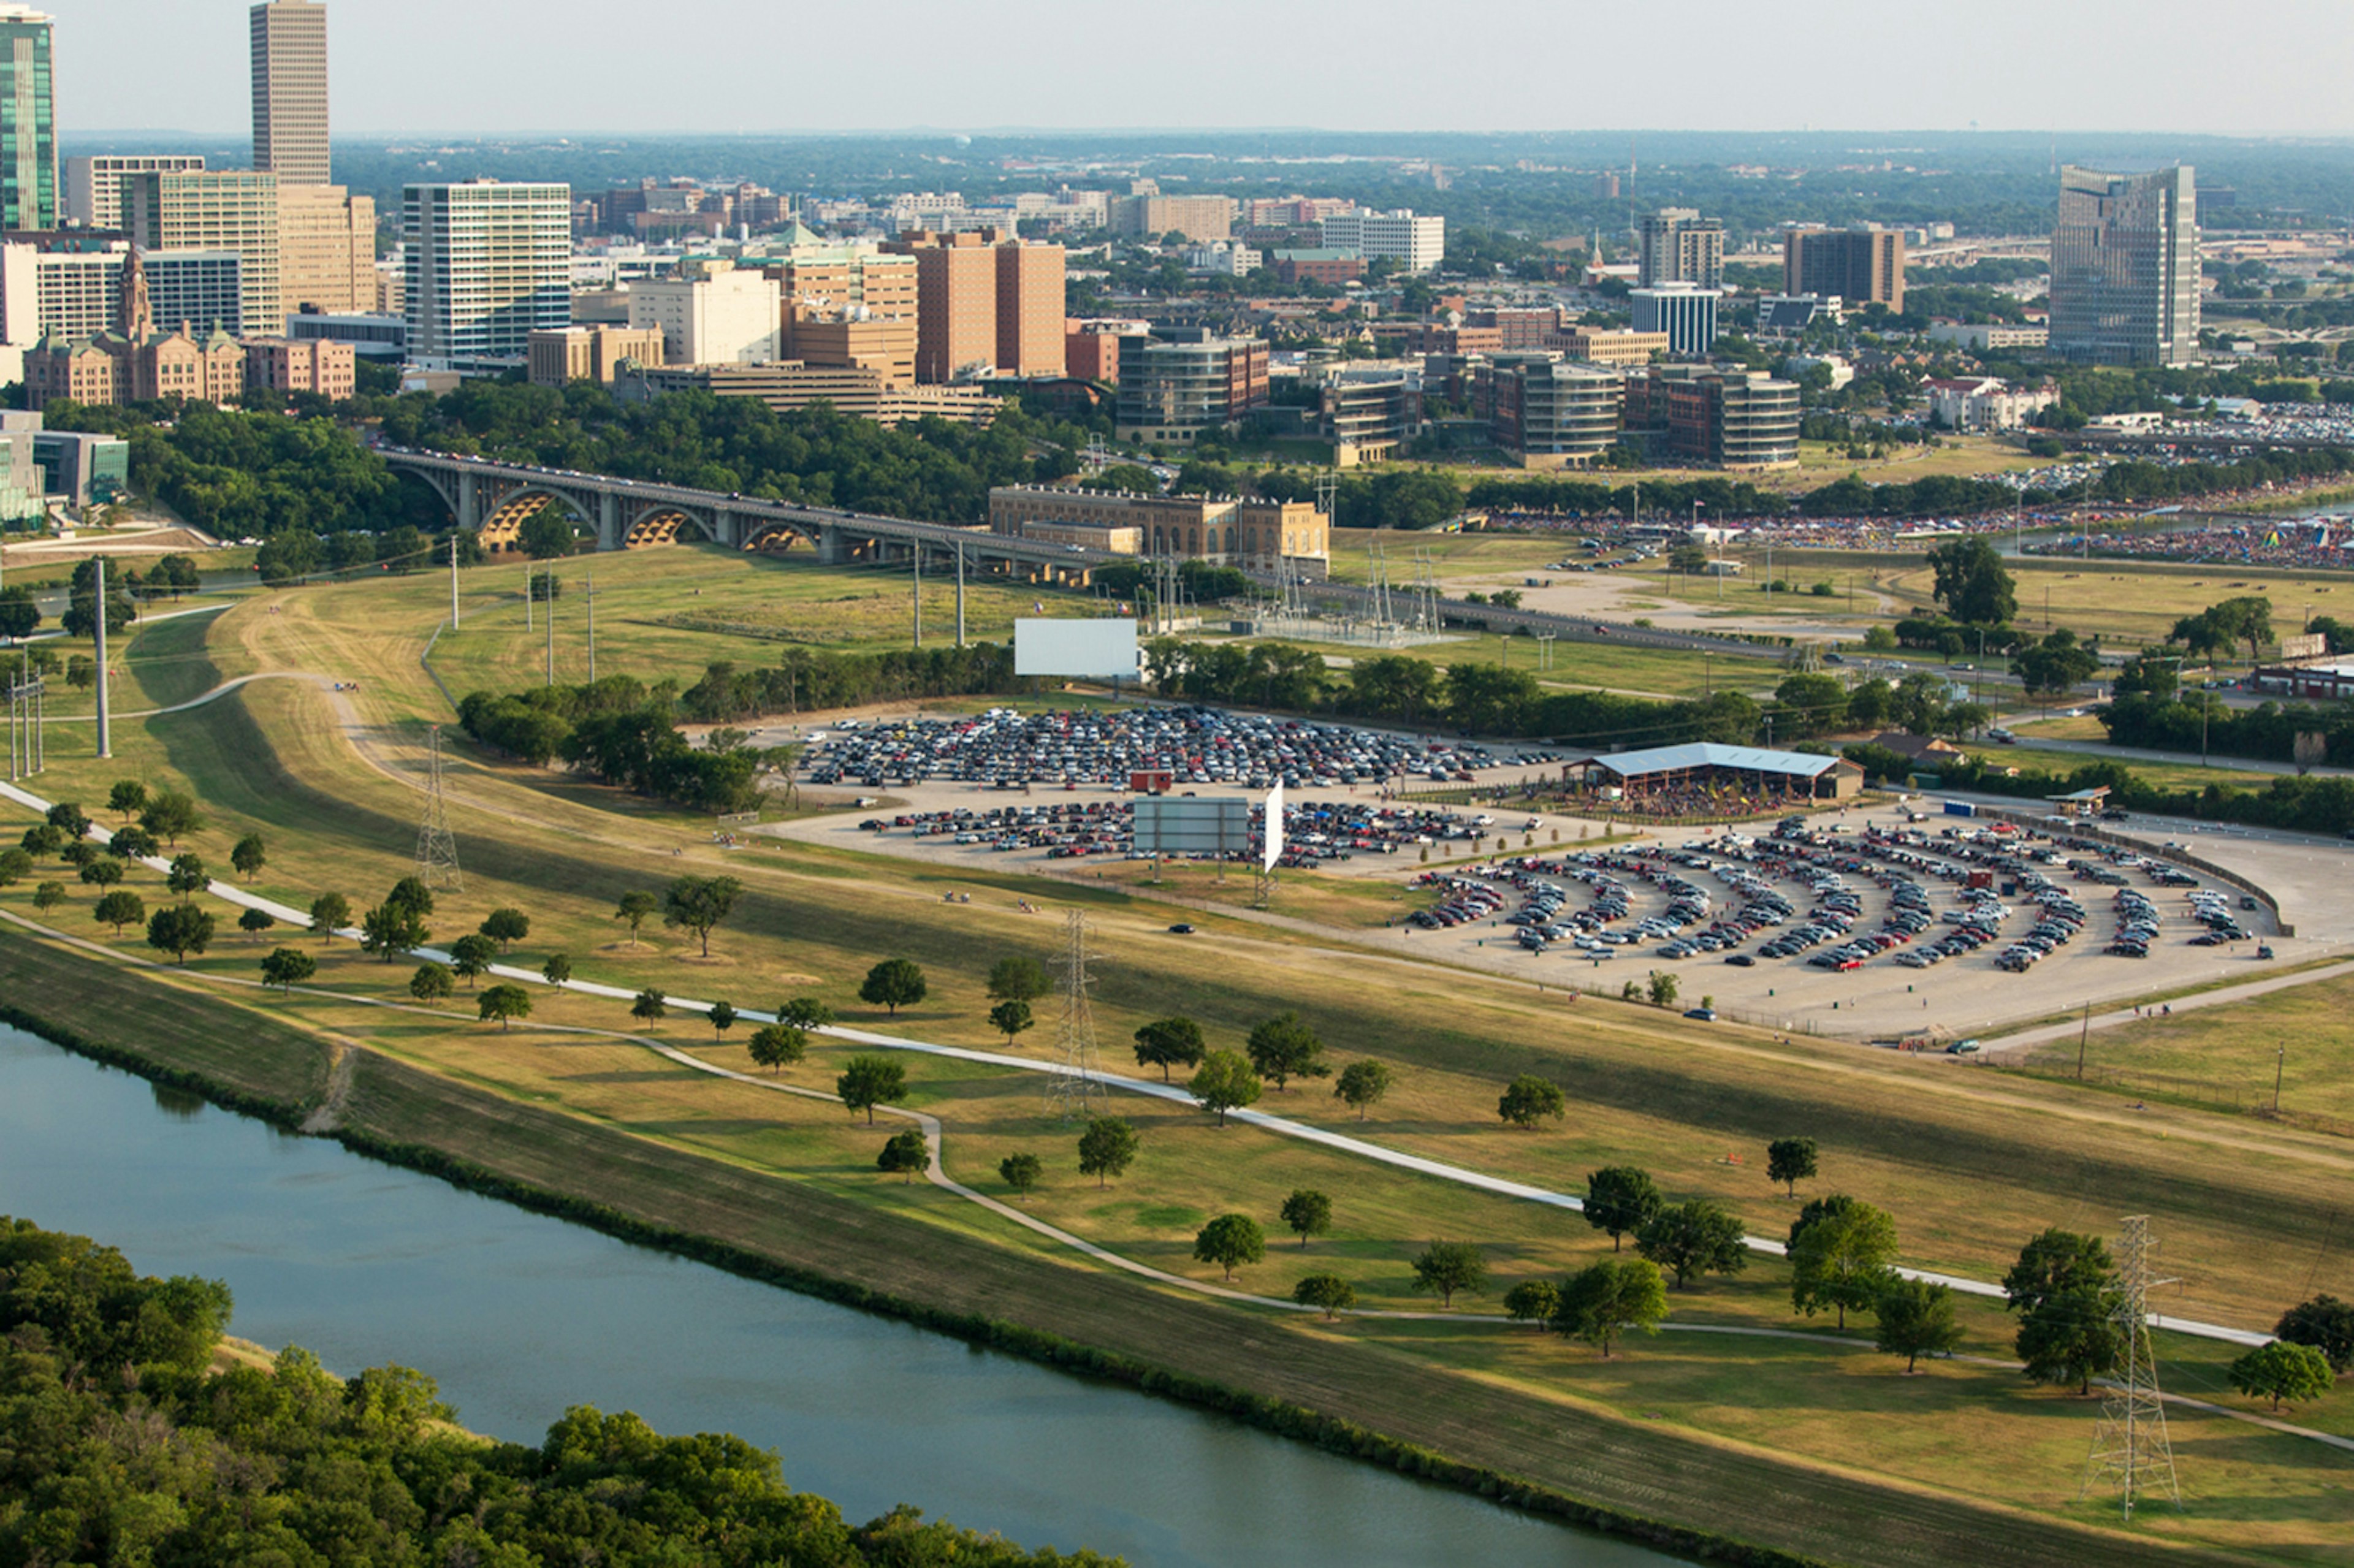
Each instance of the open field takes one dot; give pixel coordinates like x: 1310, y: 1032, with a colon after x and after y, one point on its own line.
x: 1956, y: 457
x: 1970, y: 1163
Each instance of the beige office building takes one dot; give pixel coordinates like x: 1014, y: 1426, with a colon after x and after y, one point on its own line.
x: 215, y: 209
x: 1220, y: 529
x: 853, y: 391
x: 590, y: 353
x: 1198, y: 218
x: 833, y: 340
x: 1029, y: 286
x: 1601, y: 346
x: 847, y: 278
x: 290, y: 91
x: 327, y: 250
x: 711, y: 312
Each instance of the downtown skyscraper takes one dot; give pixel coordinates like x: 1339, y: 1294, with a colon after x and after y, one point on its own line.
x: 290, y: 91
x: 2125, y: 268
x: 28, y: 137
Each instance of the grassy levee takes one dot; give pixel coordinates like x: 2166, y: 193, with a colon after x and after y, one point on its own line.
x: 1544, y: 1449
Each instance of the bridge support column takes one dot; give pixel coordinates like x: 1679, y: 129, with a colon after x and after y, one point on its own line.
x: 470, y: 515
x: 609, y: 520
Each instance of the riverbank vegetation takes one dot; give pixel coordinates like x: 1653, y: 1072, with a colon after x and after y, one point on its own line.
x: 178, y: 1453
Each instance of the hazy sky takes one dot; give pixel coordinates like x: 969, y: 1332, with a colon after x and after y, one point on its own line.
x: 770, y: 65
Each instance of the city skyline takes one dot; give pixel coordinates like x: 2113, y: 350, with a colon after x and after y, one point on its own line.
x: 2016, y: 67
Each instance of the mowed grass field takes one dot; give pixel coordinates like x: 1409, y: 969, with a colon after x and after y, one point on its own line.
x: 1970, y: 1163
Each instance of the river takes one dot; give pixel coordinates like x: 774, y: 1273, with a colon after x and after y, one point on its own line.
x: 518, y: 1316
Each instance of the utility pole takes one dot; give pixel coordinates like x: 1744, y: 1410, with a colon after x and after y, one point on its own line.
x: 549, y: 620
x: 2083, y: 1035
x: 960, y: 593
x: 2280, y: 1065
x: 592, y: 628
x: 529, y: 567
x: 453, y: 579
x: 918, y: 553
x: 105, y: 735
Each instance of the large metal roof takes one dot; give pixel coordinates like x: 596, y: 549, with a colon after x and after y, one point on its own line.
x: 1708, y: 754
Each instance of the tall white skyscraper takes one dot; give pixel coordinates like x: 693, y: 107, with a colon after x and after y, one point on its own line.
x: 2125, y: 268
x: 488, y: 263
x: 290, y: 91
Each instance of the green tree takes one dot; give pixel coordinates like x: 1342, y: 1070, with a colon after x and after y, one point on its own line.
x: 1284, y: 1048
x: 1663, y: 988
x: 806, y: 1014
x: 168, y: 814
x: 1620, y: 1199
x: 1843, y: 1261
x: 1363, y: 1084
x: 20, y: 614
x: 180, y: 929
x: 15, y: 866
x: 1230, y: 1240
x: 411, y: 894
x: 504, y: 1003
x: 907, y: 1153
x: 1447, y: 1267
x: 1615, y: 1295
x: 101, y: 871
x: 254, y: 922
x: 1329, y: 1293
x: 287, y: 968
x: 1529, y: 1099
x: 329, y: 912
x: 776, y: 1046
x: 2063, y: 1289
x: 556, y: 971
x: 1916, y: 1319
x: 1970, y: 579
x: 1532, y: 1301
x: 636, y: 907
x: 648, y: 1006
x: 472, y: 955
x: 125, y: 797
x: 120, y: 908
x: 2282, y: 1370
x: 1309, y: 1212
x: 432, y: 982
x: 868, y: 1081
x: 1010, y: 1019
x: 1022, y: 1173
x: 505, y: 926
x: 1018, y: 980
x: 49, y: 896
x: 1106, y: 1148
x: 42, y: 841
x: 1224, y: 1083
x: 187, y: 876
x: 1693, y: 1239
x: 1790, y: 1160
x: 133, y: 843
x: 2327, y: 1324
x: 699, y: 903
x: 722, y: 1014
x: 1171, y: 1041
x: 893, y: 983
x: 248, y: 856
x: 547, y: 534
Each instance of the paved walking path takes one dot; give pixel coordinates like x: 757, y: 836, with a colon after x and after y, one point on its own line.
x: 2221, y: 996
x: 1479, y: 1179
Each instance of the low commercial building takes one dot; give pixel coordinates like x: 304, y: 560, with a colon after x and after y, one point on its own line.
x: 856, y: 392
x: 82, y: 469
x: 317, y: 365
x: 1980, y: 336
x: 1252, y: 534
x: 1176, y: 391
x: 1723, y: 418
x: 837, y: 340
x: 1414, y: 241
x: 1318, y: 264
x: 1148, y: 216
x: 1607, y: 345
x: 1547, y: 411
x: 1224, y: 259
x: 590, y: 353
x: 1091, y: 348
x: 711, y: 312
x: 370, y: 337
x: 1985, y: 403
x: 1667, y: 775
x: 1786, y: 315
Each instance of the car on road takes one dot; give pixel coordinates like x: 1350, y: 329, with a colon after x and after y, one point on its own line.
x: 1181, y: 929
x: 1740, y: 961
x: 1705, y: 1014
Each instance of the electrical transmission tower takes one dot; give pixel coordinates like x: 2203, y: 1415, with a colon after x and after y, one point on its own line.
x: 2129, y: 1447
x: 1077, y: 1090
x: 437, y: 849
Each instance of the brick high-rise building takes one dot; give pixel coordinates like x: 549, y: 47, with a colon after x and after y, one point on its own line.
x: 1030, y: 310
x: 1859, y: 265
x: 290, y: 91
x: 985, y: 302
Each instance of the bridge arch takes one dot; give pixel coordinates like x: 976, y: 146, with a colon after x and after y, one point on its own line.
x: 661, y: 522
x: 779, y: 534
x: 502, y: 524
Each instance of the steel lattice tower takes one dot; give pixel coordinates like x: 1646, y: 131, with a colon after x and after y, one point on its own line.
x: 437, y: 848
x: 1077, y: 1090
x: 2130, y: 1444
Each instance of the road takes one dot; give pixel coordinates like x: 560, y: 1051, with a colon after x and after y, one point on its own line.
x: 2103, y: 750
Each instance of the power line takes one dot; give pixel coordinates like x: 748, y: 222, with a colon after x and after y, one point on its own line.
x: 437, y: 848
x: 2130, y: 1448
x: 1077, y: 1090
